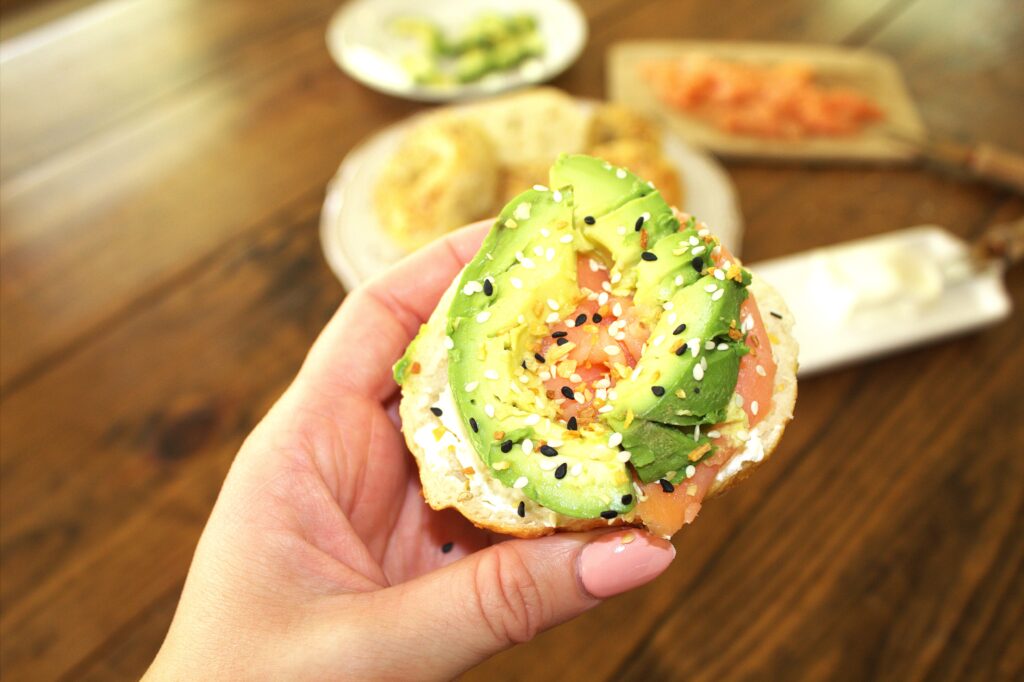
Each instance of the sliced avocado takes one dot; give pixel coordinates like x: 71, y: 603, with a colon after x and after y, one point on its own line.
x: 522, y: 281
x: 598, y: 186
x: 691, y: 385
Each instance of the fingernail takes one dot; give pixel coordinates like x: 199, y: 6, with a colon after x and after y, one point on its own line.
x: 618, y: 562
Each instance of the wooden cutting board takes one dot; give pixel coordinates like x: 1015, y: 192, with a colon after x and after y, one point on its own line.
x: 870, y: 73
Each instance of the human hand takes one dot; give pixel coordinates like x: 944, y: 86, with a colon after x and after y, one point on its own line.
x: 321, y: 559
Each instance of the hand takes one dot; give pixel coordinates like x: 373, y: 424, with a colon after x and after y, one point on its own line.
x: 321, y: 559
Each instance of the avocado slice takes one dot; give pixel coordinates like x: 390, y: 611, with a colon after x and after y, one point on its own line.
x: 523, y: 281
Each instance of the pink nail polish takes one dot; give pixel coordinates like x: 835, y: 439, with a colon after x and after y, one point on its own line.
x: 621, y: 561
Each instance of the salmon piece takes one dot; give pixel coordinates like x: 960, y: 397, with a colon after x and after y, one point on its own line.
x: 587, y: 369
x: 781, y: 101
x: 666, y: 512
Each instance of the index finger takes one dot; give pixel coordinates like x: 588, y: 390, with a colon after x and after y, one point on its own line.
x: 378, y: 319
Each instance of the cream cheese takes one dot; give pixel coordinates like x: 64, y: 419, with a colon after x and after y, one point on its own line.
x: 487, y: 489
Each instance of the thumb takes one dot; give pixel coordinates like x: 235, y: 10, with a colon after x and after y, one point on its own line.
x: 460, y: 615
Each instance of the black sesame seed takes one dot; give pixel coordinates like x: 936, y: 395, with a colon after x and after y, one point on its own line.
x: 648, y: 256
x: 610, y: 514
x: 523, y: 364
x: 589, y: 220
x: 436, y: 411
x: 658, y: 390
x: 567, y: 392
x: 447, y: 547
x: 571, y: 424
x: 473, y: 425
x: 679, y: 330
x: 488, y: 287
x: 775, y: 314
x: 522, y: 509
x: 696, y: 389
x: 561, y: 471
x: 506, y: 446
x: 682, y: 349
x: 597, y: 318
x: 562, y: 341
x: 698, y: 264
x: 666, y: 485
x: 559, y: 335
x: 581, y: 320
x: 639, y: 224
x: 627, y: 500
x: 539, y: 358
x: 548, y: 451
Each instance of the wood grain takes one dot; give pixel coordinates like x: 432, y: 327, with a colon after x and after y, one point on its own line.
x: 160, y: 281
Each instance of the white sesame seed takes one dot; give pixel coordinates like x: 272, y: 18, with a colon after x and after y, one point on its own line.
x: 491, y: 374
x: 516, y: 282
x: 690, y: 471
x: 577, y: 469
x: 723, y: 346
x: 602, y: 298
x: 520, y: 483
x: 557, y: 196
x: 489, y: 410
x: 714, y: 434
x: 594, y: 265
x: 605, y: 409
x: 753, y: 408
x: 657, y: 340
x: 523, y: 379
x: 709, y: 345
x: 548, y: 464
x: 703, y: 233
x: 668, y: 305
x: 449, y: 343
x: 553, y: 304
x: 710, y: 287
x: 540, y: 188
x: 471, y: 386
x: 522, y: 211
x: 538, y: 251
x: 672, y: 317
x: 696, y: 432
x: 545, y: 232
x: 549, y: 255
x: 698, y: 372
x: 616, y: 277
x: 620, y: 174
x: 527, y: 446
x: 575, y: 378
x: 615, y: 440
x: 694, y: 241
x: 528, y: 264
x: 761, y: 371
x: 698, y: 250
x: 565, y: 239
x: 552, y: 318
x: 624, y: 456
x: 612, y: 349
x: 578, y: 397
x: 678, y: 280
x: 621, y: 229
x: 738, y: 399
x: 719, y: 274
x: 617, y: 310
x: 718, y: 294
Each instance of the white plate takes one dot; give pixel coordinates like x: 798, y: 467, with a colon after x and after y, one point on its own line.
x: 851, y: 304
x: 360, y: 41
x: 356, y: 246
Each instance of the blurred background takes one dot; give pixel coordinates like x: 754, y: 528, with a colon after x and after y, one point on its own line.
x: 188, y: 188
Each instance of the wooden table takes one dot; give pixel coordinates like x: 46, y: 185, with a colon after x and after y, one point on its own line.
x: 163, y: 165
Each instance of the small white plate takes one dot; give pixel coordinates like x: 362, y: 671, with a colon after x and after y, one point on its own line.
x: 357, y: 247
x: 878, y: 295
x: 361, y: 42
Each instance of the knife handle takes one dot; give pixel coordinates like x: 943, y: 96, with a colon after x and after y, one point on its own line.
x: 998, y: 165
